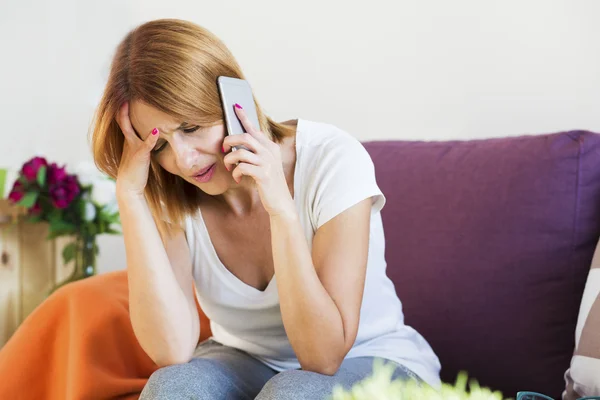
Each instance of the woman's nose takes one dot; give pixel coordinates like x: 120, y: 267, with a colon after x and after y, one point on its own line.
x: 185, y: 155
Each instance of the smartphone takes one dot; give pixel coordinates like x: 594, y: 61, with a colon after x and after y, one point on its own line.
x: 232, y: 91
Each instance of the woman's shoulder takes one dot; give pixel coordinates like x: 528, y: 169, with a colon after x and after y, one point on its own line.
x: 324, y: 136
x: 326, y: 151
x: 337, y: 170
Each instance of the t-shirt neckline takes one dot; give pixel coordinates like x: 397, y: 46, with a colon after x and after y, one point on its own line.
x: 236, y: 283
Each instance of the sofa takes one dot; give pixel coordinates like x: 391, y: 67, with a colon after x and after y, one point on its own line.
x: 488, y: 242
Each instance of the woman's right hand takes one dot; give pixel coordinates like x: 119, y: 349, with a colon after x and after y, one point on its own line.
x: 132, y: 176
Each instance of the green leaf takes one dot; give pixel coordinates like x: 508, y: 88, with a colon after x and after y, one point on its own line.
x: 55, y: 215
x: 29, y: 199
x: 54, y: 235
x: 35, y: 218
x: 93, y: 230
x: 60, y: 225
x: 41, y: 175
x: 59, y: 228
x: 113, y: 218
x: 69, y: 251
x: 80, y: 207
x: 111, y: 231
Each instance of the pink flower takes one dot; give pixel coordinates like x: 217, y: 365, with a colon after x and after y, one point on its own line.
x: 31, y: 168
x: 36, y: 209
x: 16, y: 193
x: 56, y: 174
x: 63, y: 188
x: 64, y: 192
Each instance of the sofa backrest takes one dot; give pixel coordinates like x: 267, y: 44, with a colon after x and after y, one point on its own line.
x: 489, y: 243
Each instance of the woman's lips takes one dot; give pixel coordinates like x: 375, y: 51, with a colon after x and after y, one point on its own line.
x: 206, y: 176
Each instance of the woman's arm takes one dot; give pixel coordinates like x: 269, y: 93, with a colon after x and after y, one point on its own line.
x: 161, y: 295
x: 321, y: 294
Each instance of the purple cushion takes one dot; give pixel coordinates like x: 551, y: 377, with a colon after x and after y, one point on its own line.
x: 489, y: 243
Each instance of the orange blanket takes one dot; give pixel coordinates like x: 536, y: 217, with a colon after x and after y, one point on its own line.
x: 78, y: 344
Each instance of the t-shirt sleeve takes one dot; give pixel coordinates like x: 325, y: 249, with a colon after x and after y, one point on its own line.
x: 344, y: 175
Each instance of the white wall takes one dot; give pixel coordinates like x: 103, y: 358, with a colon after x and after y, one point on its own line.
x: 427, y: 69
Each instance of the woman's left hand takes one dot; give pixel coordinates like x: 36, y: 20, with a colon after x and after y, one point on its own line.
x: 262, y: 162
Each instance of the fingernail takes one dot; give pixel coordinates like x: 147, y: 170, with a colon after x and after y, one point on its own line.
x: 154, y: 131
x: 223, y: 149
x: 238, y: 106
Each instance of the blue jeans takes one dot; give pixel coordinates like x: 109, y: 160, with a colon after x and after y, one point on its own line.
x: 219, y: 372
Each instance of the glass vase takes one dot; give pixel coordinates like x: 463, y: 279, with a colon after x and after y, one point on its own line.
x: 84, y: 258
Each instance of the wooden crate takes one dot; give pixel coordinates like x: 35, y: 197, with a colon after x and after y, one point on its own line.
x: 30, y: 265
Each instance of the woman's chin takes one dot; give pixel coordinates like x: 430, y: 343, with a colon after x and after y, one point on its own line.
x: 214, y: 187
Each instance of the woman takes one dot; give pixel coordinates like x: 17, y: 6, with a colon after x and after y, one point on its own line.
x: 282, y: 244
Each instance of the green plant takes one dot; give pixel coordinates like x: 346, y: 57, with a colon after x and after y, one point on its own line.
x: 381, y: 386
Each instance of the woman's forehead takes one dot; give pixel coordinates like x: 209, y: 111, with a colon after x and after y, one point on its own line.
x: 144, y: 118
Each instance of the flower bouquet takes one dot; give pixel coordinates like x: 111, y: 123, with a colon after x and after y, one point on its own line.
x: 81, y: 206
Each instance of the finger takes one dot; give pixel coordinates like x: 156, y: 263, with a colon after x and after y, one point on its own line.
x: 151, y: 140
x: 125, y: 123
x: 243, y: 139
x: 241, y: 155
x: 246, y: 170
x: 248, y: 126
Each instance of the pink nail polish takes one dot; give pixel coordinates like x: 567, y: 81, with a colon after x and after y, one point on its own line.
x: 155, y: 131
x: 238, y: 106
x: 223, y: 149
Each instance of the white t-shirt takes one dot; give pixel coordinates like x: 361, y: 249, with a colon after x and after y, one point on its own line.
x: 333, y: 172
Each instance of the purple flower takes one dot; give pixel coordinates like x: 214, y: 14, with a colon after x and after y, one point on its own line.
x: 16, y: 193
x: 31, y: 168
x: 56, y: 174
x: 36, y: 209
x: 64, y: 191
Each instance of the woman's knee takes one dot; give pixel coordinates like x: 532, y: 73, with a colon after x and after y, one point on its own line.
x: 197, y: 379
x: 296, y: 385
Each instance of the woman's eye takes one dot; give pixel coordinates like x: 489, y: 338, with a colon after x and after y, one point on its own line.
x: 192, y: 129
x: 158, y: 149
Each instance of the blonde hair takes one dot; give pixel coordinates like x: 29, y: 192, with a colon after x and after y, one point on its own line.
x: 173, y: 66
